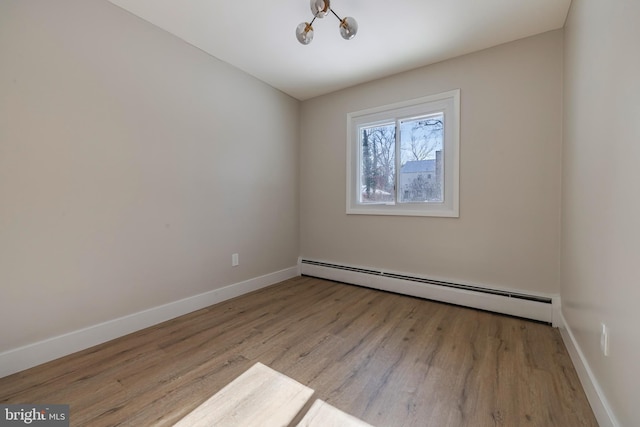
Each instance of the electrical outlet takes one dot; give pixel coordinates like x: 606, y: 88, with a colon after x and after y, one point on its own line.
x: 235, y: 260
x: 604, y: 339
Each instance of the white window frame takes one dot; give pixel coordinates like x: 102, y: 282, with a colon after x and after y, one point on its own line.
x: 447, y: 103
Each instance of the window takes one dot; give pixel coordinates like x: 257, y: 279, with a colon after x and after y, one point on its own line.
x: 402, y: 159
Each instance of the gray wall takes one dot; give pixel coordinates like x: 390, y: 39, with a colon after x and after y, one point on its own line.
x: 601, y: 199
x: 508, y: 233
x: 132, y: 166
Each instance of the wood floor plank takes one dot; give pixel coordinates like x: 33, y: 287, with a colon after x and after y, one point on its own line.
x: 321, y: 414
x: 260, y: 397
x: 387, y: 359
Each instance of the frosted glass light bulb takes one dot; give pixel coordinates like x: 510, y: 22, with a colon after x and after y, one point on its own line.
x: 348, y: 28
x: 304, y: 33
x: 320, y: 8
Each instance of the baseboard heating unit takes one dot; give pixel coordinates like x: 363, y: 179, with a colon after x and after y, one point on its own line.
x: 535, y: 307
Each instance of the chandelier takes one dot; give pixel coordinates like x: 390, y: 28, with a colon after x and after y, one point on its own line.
x: 320, y: 9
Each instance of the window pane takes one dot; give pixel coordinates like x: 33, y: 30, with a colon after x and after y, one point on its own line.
x: 421, y: 151
x: 377, y: 163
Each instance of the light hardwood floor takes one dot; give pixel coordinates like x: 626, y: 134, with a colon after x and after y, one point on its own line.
x: 388, y: 359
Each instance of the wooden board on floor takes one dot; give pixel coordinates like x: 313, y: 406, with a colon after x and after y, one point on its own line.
x: 322, y: 414
x: 259, y: 397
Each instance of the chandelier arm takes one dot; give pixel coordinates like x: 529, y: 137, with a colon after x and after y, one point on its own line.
x: 336, y: 15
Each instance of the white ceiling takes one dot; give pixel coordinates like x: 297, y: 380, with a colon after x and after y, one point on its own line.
x: 258, y: 36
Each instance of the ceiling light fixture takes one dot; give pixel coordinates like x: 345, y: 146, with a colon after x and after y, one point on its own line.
x: 320, y: 9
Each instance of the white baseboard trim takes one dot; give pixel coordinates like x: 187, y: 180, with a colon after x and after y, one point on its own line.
x: 468, y: 295
x: 599, y: 404
x: 19, y: 359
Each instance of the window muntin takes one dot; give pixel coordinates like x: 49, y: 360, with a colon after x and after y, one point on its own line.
x: 402, y: 159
